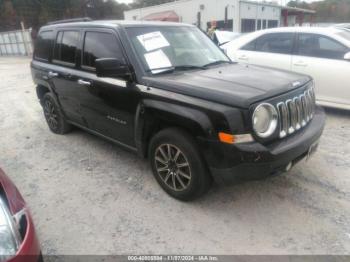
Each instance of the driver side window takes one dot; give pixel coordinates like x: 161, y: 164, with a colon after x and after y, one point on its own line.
x: 278, y: 43
x: 99, y: 45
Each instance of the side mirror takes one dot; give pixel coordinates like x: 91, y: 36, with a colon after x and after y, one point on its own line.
x: 111, y: 67
x: 347, y: 56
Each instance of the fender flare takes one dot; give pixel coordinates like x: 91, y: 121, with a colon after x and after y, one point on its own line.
x: 44, y: 84
x: 191, y: 115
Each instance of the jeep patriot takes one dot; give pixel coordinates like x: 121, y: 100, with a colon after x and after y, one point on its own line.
x: 168, y: 93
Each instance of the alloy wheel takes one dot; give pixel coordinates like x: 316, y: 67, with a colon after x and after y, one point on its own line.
x: 50, y: 114
x: 172, y: 167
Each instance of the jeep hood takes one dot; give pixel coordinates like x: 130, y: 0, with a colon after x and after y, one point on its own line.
x: 232, y: 84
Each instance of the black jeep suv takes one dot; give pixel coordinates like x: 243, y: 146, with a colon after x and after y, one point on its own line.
x: 165, y: 91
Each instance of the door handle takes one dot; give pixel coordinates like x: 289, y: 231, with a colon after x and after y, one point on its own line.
x: 52, y: 74
x: 84, y: 83
x: 300, y: 63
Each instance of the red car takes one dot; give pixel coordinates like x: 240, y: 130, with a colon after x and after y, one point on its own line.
x: 18, y: 241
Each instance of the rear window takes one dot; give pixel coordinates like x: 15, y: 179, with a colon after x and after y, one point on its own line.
x: 320, y: 46
x: 66, y: 46
x: 43, y: 45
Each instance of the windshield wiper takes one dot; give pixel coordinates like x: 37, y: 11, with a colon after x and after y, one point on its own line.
x: 218, y: 62
x: 176, y: 68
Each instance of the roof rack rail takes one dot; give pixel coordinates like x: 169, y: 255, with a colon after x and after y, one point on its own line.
x: 84, y: 19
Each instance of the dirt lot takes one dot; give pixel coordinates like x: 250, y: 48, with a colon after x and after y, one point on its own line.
x: 90, y: 197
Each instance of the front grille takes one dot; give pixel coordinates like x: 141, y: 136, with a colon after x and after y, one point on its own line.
x: 296, y: 112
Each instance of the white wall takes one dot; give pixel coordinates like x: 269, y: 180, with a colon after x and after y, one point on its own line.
x: 292, y: 20
x: 213, y: 10
x: 15, y: 43
x: 259, y: 11
x: 187, y: 10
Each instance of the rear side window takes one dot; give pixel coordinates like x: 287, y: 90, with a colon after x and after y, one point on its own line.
x: 320, y: 46
x: 100, y: 45
x: 66, y: 46
x: 43, y: 45
x: 280, y: 43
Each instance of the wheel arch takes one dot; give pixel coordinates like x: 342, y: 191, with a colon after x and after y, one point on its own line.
x: 153, y: 116
x: 42, y: 88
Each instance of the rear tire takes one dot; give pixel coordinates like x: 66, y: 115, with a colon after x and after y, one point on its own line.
x: 54, y: 116
x: 177, y: 164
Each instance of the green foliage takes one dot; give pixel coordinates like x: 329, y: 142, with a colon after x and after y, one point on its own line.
x: 35, y: 13
x: 332, y: 11
x: 144, y: 3
x: 327, y: 11
x: 299, y: 4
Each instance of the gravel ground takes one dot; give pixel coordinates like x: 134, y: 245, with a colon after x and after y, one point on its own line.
x: 88, y: 196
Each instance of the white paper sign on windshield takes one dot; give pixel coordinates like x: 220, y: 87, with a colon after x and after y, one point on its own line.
x: 152, y: 41
x: 157, y: 59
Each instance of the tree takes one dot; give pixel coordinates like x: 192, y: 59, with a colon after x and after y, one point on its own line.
x: 299, y: 4
x: 35, y: 13
x: 8, y: 15
x: 144, y: 3
x: 327, y: 11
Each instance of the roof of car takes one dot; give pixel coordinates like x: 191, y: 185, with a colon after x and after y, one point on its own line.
x: 113, y: 23
x: 331, y: 31
x: 313, y: 29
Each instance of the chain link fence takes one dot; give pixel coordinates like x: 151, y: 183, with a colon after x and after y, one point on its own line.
x: 16, y: 43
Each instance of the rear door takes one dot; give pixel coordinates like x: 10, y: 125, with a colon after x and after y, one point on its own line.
x: 272, y: 50
x: 322, y: 58
x: 108, y: 104
x: 42, y: 56
x: 64, y: 74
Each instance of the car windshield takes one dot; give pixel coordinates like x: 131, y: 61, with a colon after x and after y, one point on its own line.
x: 170, y: 48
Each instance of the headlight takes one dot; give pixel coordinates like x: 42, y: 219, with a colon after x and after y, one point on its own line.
x: 265, y: 120
x: 10, y: 238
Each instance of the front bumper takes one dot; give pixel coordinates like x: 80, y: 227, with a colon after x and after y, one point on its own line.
x: 249, y: 161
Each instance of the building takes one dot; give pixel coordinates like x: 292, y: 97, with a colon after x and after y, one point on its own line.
x: 232, y: 15
x: 291, y: 16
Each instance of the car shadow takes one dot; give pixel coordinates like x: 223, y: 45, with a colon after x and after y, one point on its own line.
x: 337, y: 112
x: 135, y: 174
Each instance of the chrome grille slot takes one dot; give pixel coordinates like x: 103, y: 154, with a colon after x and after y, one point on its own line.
x: 304, y: 110
x: 283, y: 118
x: 292, y: 115
x: 295, y: 113
x: 298, y: 109
x: 308, y: 109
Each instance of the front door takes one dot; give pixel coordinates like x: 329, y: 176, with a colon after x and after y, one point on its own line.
x: 108, y: 104
x: 272, y: 50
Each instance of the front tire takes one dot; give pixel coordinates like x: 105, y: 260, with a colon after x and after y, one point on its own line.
x: 54, y: 116
x: 177, y: 164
